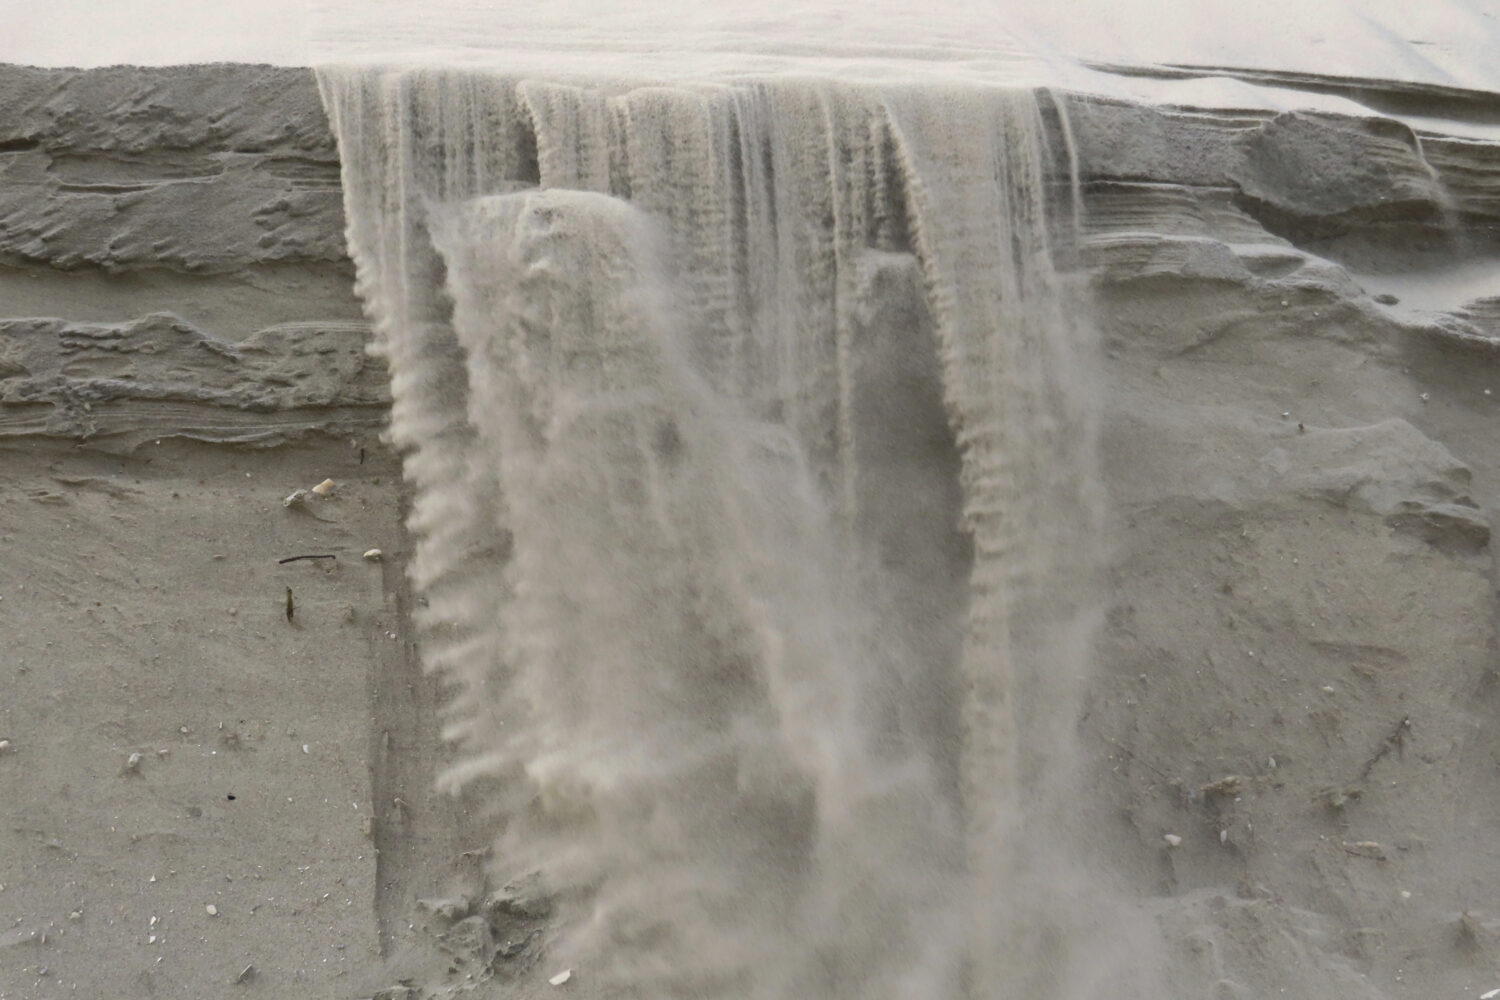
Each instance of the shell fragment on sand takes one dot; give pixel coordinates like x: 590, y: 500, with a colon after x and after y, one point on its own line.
x: 561, y: 977
x: 301, y: 496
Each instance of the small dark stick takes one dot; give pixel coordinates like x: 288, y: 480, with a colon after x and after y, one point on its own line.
x: 283, y: 562
x: 290, y: 607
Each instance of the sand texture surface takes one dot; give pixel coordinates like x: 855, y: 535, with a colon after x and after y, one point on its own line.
x: 217, y: 775
x: 190, y: 754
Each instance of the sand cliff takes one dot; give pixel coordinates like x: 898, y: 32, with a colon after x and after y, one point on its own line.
x: 1298, y: 672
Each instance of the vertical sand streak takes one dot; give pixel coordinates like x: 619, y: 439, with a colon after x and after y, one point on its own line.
x: 670, y: 368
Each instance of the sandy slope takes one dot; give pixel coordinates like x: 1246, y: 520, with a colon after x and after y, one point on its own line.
x: 144, y: 614
x: 174, y: 741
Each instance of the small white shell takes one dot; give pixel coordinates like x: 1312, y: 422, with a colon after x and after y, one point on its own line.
x: 561, y: 977
x: 325, y: 488
x: 213, y: 911
x: 1172, y: 840
x: 293, y: 498
x: 374, y: 555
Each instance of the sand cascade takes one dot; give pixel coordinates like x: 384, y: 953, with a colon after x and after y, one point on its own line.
x: 751, y: 428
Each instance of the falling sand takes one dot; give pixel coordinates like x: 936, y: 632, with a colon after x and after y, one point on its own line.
x: 752, y: 433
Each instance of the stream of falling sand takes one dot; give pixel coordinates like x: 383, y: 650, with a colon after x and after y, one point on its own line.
x: 752, y: 435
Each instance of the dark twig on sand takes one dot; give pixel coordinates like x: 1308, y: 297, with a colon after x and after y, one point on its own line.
x: 1395, y: 741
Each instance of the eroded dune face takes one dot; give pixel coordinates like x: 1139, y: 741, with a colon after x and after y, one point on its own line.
x: 871, y: 539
